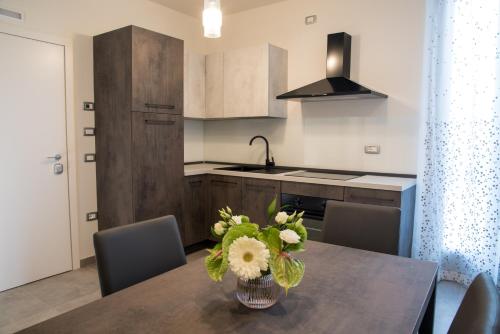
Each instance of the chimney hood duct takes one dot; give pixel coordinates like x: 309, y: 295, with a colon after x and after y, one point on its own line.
x: 337, y: 85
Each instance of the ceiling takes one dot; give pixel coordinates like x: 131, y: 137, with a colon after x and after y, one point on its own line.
x: 195, y: 7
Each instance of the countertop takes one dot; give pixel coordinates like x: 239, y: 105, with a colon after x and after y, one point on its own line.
x: 366, y: 181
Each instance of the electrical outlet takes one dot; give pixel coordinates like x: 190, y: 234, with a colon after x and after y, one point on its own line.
x: 311, y: 19
x: 372, y: 149
x: 91, y: 216
x: 88, y: 106
x: 89, y: 157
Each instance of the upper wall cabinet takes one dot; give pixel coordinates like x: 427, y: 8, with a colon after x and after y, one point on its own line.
x: 194, y: 84
x: 156, y: 72
x: 240, y: 83
x: 214, y: 85
x: 253, y: 77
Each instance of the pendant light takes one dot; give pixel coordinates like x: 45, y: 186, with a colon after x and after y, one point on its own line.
x: 212, y: 19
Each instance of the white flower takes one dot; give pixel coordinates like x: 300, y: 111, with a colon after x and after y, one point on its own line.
x: 281, y: 217
x: 289, y: 236
x: 247, y: 257
x: 235, y: 220
x: 219, y: 229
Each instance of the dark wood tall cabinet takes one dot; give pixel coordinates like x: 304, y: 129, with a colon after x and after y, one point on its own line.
x: 138, y: 89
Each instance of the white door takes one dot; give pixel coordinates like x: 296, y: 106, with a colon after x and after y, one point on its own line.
x: 35, y: 239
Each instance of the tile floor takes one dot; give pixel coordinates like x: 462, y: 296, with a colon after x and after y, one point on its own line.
x: 35, y: 302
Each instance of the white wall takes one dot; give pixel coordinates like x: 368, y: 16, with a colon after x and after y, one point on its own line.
x: 386, y: 56
x: 79, y: 21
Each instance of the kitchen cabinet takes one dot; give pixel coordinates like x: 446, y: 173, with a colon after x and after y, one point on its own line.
x: 373, y: 196
x: 253, y: 77
x: 257, y: 195
x: 214, y: 85
x: 138, y: 84
x: 194, y: 218
x: 155, y: 156
x: 157, y: 72
x: 313, y: 190
x: 194, y: 85
x: 224, y: 191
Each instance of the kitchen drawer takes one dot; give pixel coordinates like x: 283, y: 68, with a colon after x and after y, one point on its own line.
x: 314, y: 190
x: 373, y: 196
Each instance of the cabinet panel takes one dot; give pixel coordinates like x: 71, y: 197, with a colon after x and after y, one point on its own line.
x: 314, y: 190
x: 194, y: 218
x: 214, y: 85
x: 157, y: 72
x: 224, y: 191
x: 194, y: 84
x: 158, y: 168
x: 112, y: 82
x: 373, y: 196
x: 246, y: 73
x: 257, y: 194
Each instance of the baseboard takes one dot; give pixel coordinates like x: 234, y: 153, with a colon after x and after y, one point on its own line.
x: 87, y: 261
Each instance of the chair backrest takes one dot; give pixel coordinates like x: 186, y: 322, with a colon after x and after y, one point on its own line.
x: 479, y: 310
x: 363, y: 226
x: 130, y: 254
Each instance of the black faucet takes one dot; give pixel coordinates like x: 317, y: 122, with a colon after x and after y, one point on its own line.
x: 269, y: 163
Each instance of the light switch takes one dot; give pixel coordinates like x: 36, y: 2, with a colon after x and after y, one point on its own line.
x: 311, y: 19
x: 89, y: 131
x: 89, y: 157
x: 372, y: 149
x: 91, y: 216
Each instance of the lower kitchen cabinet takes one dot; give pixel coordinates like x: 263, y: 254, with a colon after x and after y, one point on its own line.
x: 194, y: 218
x: 256, y: 195
x: 224, y: 191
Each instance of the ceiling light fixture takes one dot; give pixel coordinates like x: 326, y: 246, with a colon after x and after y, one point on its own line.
x: 212, y: 19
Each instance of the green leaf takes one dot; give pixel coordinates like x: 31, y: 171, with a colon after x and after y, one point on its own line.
x: 271, y: 237
x: 271, y: 209
x: 214, y: 264
x: 287, y: 271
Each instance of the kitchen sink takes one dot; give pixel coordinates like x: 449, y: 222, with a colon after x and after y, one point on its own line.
x: 256, y: 169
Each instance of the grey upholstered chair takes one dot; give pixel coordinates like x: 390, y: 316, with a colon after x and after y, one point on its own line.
x: 364, y: 226
x: 130, y: 254
x: 479, y: 312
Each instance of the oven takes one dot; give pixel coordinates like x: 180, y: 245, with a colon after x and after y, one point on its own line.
x: 314, y: 211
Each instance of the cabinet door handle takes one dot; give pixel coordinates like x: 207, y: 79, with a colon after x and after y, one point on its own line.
x: 258, y: 187
x: 366, y: 198
x: 158, y: 122
x: 159, y: 106
x: 224, y: 182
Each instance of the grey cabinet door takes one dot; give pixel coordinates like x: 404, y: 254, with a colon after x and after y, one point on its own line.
x: 194, y: 218
x: 158, y: 167
x: 224, y: 191
x: 157, y: 72
x: 257, y: 195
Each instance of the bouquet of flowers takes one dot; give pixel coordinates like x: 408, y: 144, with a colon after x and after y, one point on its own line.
x: 250, y: 251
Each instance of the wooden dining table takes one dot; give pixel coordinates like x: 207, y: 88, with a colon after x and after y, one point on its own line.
x: 344, y: 290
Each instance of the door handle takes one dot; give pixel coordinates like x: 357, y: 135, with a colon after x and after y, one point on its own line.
x: 56, y: 157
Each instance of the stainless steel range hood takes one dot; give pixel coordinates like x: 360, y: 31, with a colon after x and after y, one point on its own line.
x: 337, y: 85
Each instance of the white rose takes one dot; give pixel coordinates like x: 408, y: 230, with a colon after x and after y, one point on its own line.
x: 235, y: 220
x: 289, y: 236
x: 281, y: 217
x: 219, y: 229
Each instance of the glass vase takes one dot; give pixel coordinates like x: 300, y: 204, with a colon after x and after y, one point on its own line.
x: 258, y: 293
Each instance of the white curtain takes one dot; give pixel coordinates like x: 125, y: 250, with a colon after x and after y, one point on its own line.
x: 457, y: 220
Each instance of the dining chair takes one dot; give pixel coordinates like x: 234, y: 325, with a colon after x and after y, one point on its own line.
x: 127, y: 255
x: 479, y: 311
x: 363, y: 226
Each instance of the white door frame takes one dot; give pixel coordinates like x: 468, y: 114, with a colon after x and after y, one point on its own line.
x: 67, y: 43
